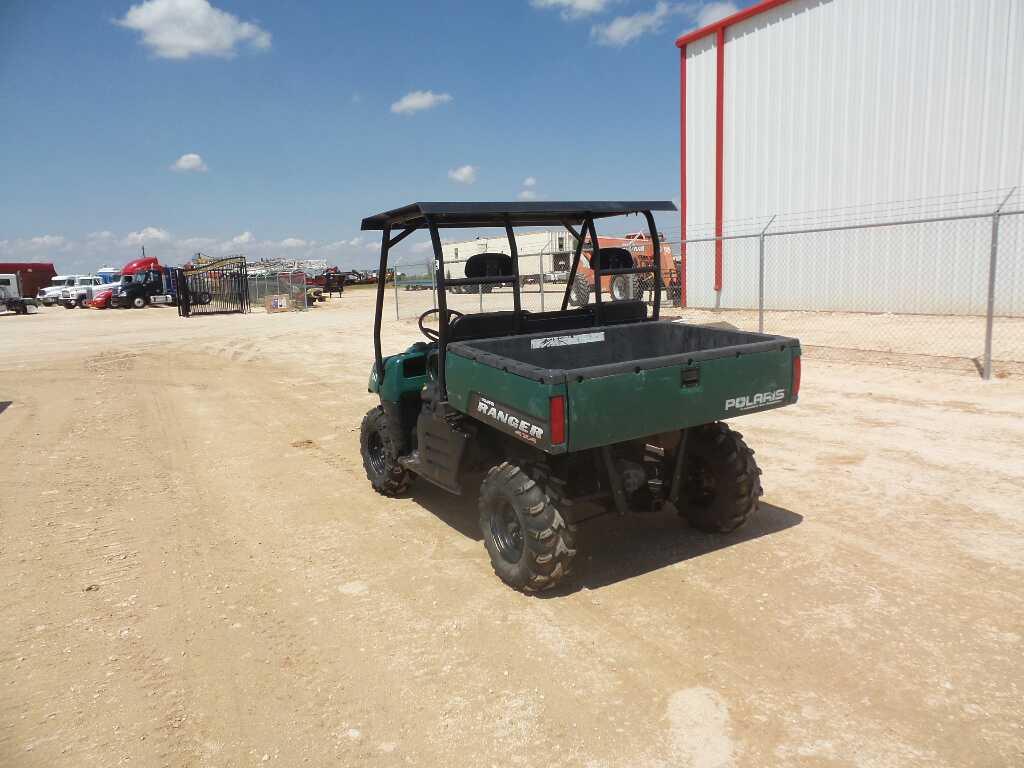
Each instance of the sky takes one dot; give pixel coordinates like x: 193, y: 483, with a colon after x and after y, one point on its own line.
x: 270, y: 128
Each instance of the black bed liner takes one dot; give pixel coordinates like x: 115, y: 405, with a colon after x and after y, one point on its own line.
x: 608, y: 350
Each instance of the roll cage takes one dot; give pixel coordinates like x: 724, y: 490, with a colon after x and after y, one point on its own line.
x: 435, y: 216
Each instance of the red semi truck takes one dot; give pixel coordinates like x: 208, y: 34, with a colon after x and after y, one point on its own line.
x: 144, y: 281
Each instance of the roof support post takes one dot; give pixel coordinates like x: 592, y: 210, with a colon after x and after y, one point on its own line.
x: 595, y: 266
x: 514, y: 252
x: 656, y: 253
x: 575, y: 259
x: 385, y: 244
x: 442, y: 308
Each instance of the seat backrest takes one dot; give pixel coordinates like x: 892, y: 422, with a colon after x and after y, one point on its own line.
x: 614, y: 258
x: 489, y: 265
x: 485, y: 325
x: 613, y: 312
x: 549, y: 322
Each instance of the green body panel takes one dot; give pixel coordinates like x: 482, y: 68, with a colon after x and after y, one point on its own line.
x: 464, y: 376
x: 396, y: 383
x: 629, y: 405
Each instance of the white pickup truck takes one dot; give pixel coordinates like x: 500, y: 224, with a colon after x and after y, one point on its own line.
x: 81, y: 291
x: 11, y: 298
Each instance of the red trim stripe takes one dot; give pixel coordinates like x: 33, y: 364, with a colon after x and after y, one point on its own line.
x: 728, y: 21
x: 682, y: 175
x: 719, y: 148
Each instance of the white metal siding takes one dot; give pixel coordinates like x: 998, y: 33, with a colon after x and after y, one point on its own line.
x: 536, y: 250
x: 838, y: 103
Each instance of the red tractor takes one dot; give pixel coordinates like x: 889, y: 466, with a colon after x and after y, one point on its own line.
x: 635, y: 250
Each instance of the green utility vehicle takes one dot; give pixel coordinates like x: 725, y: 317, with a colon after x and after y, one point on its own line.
x: 562, y: 412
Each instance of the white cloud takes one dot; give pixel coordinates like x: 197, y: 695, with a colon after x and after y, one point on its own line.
x: 243, y: 239
x: 190, y: 162
x: 106, y: 234
x: 178, y: 29
x: 527, y: 194
x: 573, y: 9
x: 623, y: 30
x: 294, y: 242
x: 529, y: 181
x: 44, y: 241
x: 416, y: 101
x: 146, y: 235
x: 464, y: 174
x: 712, y: 12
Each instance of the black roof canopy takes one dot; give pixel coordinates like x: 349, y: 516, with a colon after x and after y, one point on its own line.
x: 530, y: 214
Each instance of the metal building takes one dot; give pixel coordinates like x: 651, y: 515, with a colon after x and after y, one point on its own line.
x: 812, y: 105
x: 538, y: 252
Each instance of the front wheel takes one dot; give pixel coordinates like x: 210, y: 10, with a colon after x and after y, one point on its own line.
x: 530, y: 545
x: 380, y: 458
x: 138, y: 302
x: 722, y: 480
x: 580, y: 294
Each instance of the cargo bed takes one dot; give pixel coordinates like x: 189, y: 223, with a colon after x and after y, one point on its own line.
x: 627, y: 381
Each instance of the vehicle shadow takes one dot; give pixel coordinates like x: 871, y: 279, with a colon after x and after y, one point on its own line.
x: 610, y: 548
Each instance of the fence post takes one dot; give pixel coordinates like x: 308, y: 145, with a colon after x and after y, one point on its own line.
x: 760, y: 275
x: 986, y: 369
x: 541, y: 258
x: 433, y: 281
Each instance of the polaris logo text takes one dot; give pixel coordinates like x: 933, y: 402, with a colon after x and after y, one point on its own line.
x: 748, y: 402
x: 523, y: 428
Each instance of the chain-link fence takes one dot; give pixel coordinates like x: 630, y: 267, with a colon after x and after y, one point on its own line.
x: 926, y: 291
x: 291, y: 285
x: 936, y: 291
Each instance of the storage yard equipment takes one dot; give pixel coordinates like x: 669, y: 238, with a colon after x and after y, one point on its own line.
x: 569, y: 413
x: 11, y: 297
x: 33, y: 276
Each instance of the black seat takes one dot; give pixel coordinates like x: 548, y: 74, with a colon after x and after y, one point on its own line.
x: 548, y: 322
x: 484, y: 325
x: 489, y: 265
x: 615, y: 312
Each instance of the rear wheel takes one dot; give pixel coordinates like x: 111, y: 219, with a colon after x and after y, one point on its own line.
x: 723, y: 482
x: 380, y: 459
x: 530, y: 545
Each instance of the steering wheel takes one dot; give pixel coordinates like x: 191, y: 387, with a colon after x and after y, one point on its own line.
x: 430, y: 333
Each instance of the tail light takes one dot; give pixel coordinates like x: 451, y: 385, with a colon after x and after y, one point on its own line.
x: 796, y: 376
x: 556, y: 418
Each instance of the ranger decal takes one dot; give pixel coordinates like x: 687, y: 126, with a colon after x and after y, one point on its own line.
x: 512, y: 421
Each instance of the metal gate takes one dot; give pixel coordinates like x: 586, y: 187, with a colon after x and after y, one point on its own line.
x: 214, y: 288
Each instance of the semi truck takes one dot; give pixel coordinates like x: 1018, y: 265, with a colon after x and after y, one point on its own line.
x: 144, y: 281
x: 11, y: 296
x: 31, y: 276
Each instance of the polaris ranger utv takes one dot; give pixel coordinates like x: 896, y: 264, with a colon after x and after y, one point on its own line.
x: 603, y: 404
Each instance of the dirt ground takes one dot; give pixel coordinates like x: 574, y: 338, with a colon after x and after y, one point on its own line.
x: 196, y: 573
